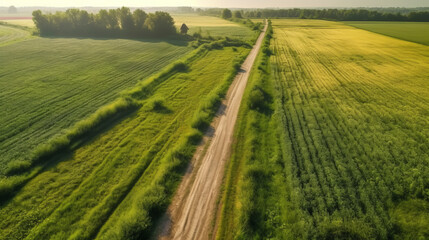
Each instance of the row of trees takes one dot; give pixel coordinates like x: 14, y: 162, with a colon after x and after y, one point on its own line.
x: 119, y: 22
x: 330, y: 14
x: 338, y: 14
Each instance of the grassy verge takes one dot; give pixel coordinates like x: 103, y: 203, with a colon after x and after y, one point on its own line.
x: 254, y: 139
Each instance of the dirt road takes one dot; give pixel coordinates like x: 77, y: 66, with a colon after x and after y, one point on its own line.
x: 193, y: 208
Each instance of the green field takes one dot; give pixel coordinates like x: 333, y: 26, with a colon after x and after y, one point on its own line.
x: 51, y: 83
x: 10, y: 35
x: 86, y: 189
x: 332, y: 139
x: 214, y: 27
x: 410, y: 31
x: 20, y: 22
x: 113, y: 177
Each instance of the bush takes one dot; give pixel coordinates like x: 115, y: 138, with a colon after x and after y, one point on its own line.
x: 181, y: 67
x: 18, y: 166
x: 256, y: 99
x: 156, y: 104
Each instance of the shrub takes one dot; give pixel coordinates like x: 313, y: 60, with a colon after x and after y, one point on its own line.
x: 180, y: 67
x: 17, y: 166
x: 156, y: 104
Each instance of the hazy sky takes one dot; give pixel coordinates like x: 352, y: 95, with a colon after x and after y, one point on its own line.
x: 220, y: 3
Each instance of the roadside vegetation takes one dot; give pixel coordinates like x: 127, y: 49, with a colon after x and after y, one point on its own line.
x: 331, y: 144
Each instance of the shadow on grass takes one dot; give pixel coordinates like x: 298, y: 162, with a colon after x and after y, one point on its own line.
x: 176, y: 41
x: 67, y: 154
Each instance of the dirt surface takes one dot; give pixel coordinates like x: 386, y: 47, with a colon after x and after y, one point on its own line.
x: 193, y: 209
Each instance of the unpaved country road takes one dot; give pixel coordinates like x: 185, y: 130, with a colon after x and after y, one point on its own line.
x: 193, y: 207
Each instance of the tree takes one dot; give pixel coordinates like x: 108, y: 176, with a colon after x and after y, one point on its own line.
x: 12, y: 9
x: 139, y: 19
x: 41, y: 22
x: 226, y: 13
x: 160, y: 24
x: 237, y: 14
x: 126, y: 19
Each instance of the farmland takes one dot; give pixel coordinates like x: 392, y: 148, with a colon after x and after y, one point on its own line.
x: 112, y: 182
x: 410, y: 31
x: 331, y: 144
x: 67, y: 79
x: 214, y: 26
x: 9, y: 35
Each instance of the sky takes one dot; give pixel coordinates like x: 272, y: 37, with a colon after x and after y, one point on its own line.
x: 219, y: 3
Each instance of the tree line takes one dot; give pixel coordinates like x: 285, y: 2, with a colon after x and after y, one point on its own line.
x: 119, y: 22
x: 330, y: 14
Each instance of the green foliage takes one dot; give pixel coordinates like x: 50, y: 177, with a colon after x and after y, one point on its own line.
x: 113, y: 23
x: 226, y: 13
x: 237, y: 14
x: 340, y: 14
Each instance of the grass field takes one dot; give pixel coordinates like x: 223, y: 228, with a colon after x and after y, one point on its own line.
x: 10, y: 35
x: 48, y: 84
x: 410, y: 31
x: 332, y: 139
x: 214, y: 27
x: 20, y: 22
x: 112, y: 172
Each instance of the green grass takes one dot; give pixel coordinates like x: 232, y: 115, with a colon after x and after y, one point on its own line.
x: 20, y: 22
x: 341, y: 150
x: 214, y: 27
x: 129, y: 171
x: 49, y: 84
x: 410, y: 31
x: 10, y: 35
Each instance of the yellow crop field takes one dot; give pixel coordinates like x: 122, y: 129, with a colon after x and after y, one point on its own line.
x: 341, y: 149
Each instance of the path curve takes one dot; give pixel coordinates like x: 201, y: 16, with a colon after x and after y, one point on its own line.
x: 193, y: 208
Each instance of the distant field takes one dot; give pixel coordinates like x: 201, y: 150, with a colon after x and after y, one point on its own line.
x: 48, y: 84
x: 337, y: 147
x: 9, y: 35
x: 104, y: 188
x: 410, y: 31
x: 20, y: 22
x: 213, y: 26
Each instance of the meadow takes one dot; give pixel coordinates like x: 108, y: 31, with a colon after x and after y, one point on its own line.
x: 114, y: 129
x: 20, y: 22
x: 410, y: 31
x: 331, y: 144
x: 10, y: 35
x: 67, y: 79
x: 214, y: 27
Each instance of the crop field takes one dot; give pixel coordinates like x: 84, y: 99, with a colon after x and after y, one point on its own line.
x: 213, y: 26
x: 410, y: 31
x: 96, y: 190
x: 20, y: 22
x: 65, y: 80
x: 332, y: 139
x: 9, y: 35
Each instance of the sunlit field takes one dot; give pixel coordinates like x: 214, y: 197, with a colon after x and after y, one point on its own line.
x: 333, y: 138
x: 410, y: 31
x: 213, y: 26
